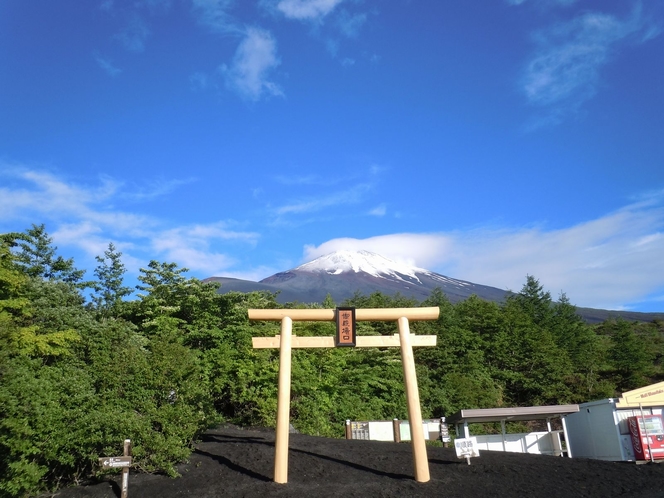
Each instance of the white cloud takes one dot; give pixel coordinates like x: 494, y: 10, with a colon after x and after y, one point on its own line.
x: 254, y: 59
x: 380, y: 210
x: 44, y: 193
x: 332, y: 46
x: 309, y: 10
x: 312, y: 204
x: 189, y: 246
x: 544, y: 2
x: 302, y: 180
x: 134, y: 34
x: 174, y: 248
x: 82, y: 220
x: 85, y: 235
x: 108, y: 67
x: 357, y: 184
x: 350, y: 24
x: 198, y: 81
x: 156, y: 5
x: 253, y: 274
x: 214, y: 14
x: 565, y: 71
x: 609, y: 262
x: 416, y: 249
x: 154, y: 189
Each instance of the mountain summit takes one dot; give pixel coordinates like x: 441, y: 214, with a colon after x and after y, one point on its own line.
x: 360, y: 262
x: 341, y: 274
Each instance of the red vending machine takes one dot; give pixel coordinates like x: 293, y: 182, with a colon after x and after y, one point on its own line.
x: 648, y: 437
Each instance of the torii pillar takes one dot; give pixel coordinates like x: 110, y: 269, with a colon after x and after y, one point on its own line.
x: 286, y: 341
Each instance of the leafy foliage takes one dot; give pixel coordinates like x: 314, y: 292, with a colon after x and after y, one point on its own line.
x: 37, y: 256
x: 78, y: 377
x: 109, y: 288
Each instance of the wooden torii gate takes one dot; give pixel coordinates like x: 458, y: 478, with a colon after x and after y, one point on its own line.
x: 286, y: 341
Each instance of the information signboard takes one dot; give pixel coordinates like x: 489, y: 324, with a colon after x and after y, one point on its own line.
x: 444, y: 431
x: 466, y: 448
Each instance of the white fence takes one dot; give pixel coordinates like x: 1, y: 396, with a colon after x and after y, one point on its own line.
x: 538, y: 443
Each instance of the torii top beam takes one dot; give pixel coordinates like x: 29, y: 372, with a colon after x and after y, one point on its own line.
x: 363, y: 314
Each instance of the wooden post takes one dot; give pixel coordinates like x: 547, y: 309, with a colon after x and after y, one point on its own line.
x: 420, y: 461
x: 116, y: 462
x: 349, y: 430
x: 283, y: 403
x: 396, y: 430
x: 125, y: 470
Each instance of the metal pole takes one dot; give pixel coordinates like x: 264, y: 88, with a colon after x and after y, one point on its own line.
x: 568, y: 447
x: 502, y: 432
x: 645, y: 430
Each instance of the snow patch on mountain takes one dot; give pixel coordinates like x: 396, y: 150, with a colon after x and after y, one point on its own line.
x: 363, y: 261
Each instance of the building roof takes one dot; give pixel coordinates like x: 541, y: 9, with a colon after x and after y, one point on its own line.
x: 479, y: 416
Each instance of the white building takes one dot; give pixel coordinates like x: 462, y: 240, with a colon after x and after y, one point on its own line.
x: 599, y: 429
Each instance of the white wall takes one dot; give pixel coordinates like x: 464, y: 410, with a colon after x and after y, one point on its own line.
x: 537, y: 443
x: 593, y: 432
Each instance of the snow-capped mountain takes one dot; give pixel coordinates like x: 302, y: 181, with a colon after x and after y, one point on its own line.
x: 361, y: 261
x: 375, y: 265
x: 343, y: 273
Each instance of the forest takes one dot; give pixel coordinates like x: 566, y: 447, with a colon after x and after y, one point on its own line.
x: 85, y: 364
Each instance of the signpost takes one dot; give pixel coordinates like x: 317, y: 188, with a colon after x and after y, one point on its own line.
x: 466, y: 448
x: 124, y: 462
x: 444, y: 432
x: 346, y: 337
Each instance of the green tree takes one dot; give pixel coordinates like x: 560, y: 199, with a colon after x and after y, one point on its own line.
x: 29, y: 323
x: 534, y: 301
x: 585, y: 351
x: 533, y: 369
x: 13, y: 302
x: 109, y: 288
x: 36, y: 254
x: 630, y: 357
x: 455, y: 374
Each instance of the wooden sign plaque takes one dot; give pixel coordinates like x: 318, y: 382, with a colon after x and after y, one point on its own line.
x: 115, y: 462
x: 346, y: 335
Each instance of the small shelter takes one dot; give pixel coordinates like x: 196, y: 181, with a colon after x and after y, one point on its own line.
x: 600, y: 429
x: 543, y: 442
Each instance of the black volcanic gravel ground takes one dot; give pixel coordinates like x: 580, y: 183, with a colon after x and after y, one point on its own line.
x: 239, y: 463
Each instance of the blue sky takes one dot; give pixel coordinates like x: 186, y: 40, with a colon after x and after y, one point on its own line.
x: 484, y: 140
